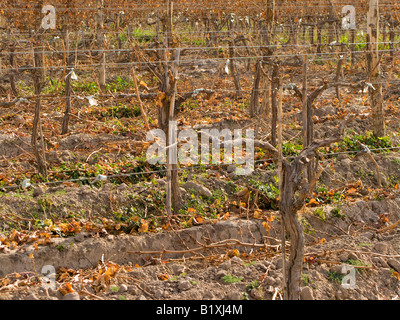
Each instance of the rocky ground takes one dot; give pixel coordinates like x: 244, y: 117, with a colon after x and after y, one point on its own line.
x: 236, y: 257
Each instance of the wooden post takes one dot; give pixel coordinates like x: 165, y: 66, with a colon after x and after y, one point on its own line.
x: 101, y: 44
x: 280, y: 162
x: 374, y: 91
x: 274, y: 101
x: 68, y: 88
x: 306, y: 110
x: 38, y: 76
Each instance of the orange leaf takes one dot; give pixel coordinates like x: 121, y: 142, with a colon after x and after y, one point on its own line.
x: 163, y: 277
x: 352, y: 192
x: 313, y: 202
x: 69, y: 287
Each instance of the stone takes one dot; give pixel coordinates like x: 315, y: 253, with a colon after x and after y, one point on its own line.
x: 208, y: 296
x: 236, y: 260
x: 353, y: 256
x: 343, y: 256
x: 235, y: 295
x: 279, y: 263
x: 184, y: 285
x: 178, y: 269
x: 269, y: 281
x: 79, y: 237
x: 380, y: 247
x: 378, y: 261
x: 231, y: 168
x: 108, y: 186
x: 123, y: 288
x: 122, y: 187
x: 256, y: 294
x: 368, y: 235
x: 226, y: 265
x: 159, y: 293
x: 37, y: 192
x: 72, y: 296
x: 52, y: 292
x: 221, y: 274
x: 197, y: 188
x: 395, y: 264
x: 306, y: 294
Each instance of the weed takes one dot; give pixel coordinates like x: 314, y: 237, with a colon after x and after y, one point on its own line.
x: 335, y: 277
x: 320, y: 213
x: 231, y: 279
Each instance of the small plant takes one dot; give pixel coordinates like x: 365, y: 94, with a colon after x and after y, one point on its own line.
x: 245, y: 296
x: 255, y: 284
x: 320, y: 213
x: 305, y: 278
x: 114, y: 288
x: 356, y: 263
x: 231, y: 279
x: 335, y: 277
x: 335, y: 212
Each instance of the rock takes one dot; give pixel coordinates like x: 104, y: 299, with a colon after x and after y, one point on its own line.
x: 269, y: 281
x: 380, y: 247
x: 122, y: 187
x: 256, y: 294
x: 72, y: 296
x: 208, y: 296
x: 52, y: 292
x: 178, y: 269
x: 108, y: 187
x: 306, y: 294
x: 141, y: 297
x: 79, y: 237
x: 37, y: 192
x: 134, y: 290
x: 368, y: 235
x: 234, y: 295
x: 378, y: 261
x: 279, y: 263
x: 353, y: 256
x: 198, y: 188
x: 342, y: 156
x: 236, y: 260
x: 123, y: 288
x: 343, y: 256
x: 184, y: 285
x: 226, y: 265
x: 341, y: 295
x: 336, y: 269
x: 221, y: 274
x: 159, y: 293
x: 395, y: 264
